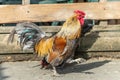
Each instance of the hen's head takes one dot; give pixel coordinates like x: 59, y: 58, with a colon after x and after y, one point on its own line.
x: 80, y: 16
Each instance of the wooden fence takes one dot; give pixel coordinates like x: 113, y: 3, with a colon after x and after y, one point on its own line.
x: 102, y: 38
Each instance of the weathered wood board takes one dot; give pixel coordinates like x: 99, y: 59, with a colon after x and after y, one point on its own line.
x: 101, y: 38
x: 100, y: 44
x: 8, y: 29
x: 58, y: 12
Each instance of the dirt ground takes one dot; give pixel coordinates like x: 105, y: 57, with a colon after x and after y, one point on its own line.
x: 93, y: 69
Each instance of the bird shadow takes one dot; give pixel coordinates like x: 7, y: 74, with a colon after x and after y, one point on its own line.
x: 86, y: 42
x: 2, y: 76
x: 83, y: 68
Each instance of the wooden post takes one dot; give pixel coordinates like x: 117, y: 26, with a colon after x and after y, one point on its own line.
x: 24, y: 2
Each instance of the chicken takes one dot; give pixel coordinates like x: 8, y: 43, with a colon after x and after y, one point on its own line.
x: 54, y: 50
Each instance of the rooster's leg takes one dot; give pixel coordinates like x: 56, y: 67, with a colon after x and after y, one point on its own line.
x: 44, y: 64
x: 55, y: 73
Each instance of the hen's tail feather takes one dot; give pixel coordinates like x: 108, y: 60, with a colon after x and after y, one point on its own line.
x: 11, y: 36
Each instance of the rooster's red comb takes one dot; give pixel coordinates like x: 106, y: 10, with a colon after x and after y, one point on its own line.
x: 79, y: 12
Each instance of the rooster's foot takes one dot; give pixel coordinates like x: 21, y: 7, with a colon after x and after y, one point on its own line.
x: 78, y: 60
x: 55, y: 73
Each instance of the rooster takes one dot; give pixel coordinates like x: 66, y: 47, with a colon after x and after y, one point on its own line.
x: 54, y: 50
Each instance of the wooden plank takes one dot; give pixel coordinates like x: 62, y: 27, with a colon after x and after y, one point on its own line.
x: 57, y: 12
x: 8, y: 29
x: 19, y: 57
x: 11, y: 48
x: 94, y: 43
x: 96, y: 28
x: 106, y: 27
x: 103, y: 23
x: 100, y: 44
x: 104, y: 31
x: 105, y: 38
x: 86, y: 44
x: 103, y: 34
x: 34, y: 57
x: 109, y: 55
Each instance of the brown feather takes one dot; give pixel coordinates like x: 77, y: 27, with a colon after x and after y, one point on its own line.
x: 59, y: 44
x: 54, y: 57
x: 44, y: 46
x: 51, y: 48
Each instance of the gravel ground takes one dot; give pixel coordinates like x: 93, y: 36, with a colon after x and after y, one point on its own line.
x: 93, y: 69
